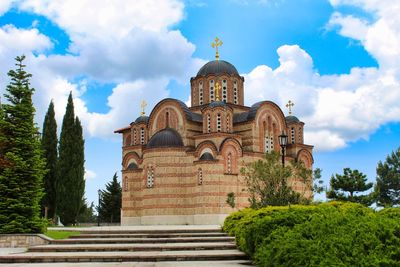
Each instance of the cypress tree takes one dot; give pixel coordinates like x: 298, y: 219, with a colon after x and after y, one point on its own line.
x: 23, y: 166
x: 71, y: 183
x: 49, y: 146
x: 110, y: 202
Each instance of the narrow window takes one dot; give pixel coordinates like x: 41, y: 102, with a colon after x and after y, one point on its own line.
x: 228, y: 121
x: 200, y: 176
x: 266, y: 143
x: 235, y: 93
x: 167, y: 119
x: 300, y: 136
x: 224, y: 91
x: 208, y: 123
x: 271, y: 143
x: 141, y: 136
x: 134, y: 136
x: 150, y: 177
x: 229, y: 163
x: 218, y: 122
x: 126, y: 184
x: 212, y: 90
x: 201, y: 93
x: 292, y: 134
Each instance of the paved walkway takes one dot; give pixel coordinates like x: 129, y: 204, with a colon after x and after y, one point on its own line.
x: 137, y: 228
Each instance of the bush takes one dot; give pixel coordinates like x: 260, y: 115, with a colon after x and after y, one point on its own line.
x: 329, y: 234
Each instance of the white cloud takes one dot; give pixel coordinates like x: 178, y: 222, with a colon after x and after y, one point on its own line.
x: 90, y: 175
x: 5, y: 6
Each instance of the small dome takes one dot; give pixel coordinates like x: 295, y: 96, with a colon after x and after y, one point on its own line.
x: 132, y: 166
x: 217, y: 67
x: 217, y: 104
x: 167, y: 137
x: 207, y: 156
x: 144, y: 119
x: 292, y: 119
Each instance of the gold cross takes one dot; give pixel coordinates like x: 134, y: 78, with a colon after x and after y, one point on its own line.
x: 143, y: 106
x: 217, y: 88
x: 215, y: 44
x: 289, y: 105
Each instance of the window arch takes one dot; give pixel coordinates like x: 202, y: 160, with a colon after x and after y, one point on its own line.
x: 292, y: 135
x: 167, y: 119
x: 235, y: 92
x: 224, y: 90
x: 208, y: 123
x: 229, y: 163
x: 150, y: 177
x: 142, y: 135
x: 218, y: 122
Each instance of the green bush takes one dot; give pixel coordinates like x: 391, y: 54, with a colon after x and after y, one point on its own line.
x: 329, y: 234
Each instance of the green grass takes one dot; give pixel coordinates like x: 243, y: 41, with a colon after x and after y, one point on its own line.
x: 60, y: 234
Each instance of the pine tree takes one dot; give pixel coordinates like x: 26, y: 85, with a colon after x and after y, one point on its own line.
x: 344, y: 187
x: 23, y: 166
x: 49, y: 146
x: 110, y: 202
x: 387, y: 189
x: 71, y: 182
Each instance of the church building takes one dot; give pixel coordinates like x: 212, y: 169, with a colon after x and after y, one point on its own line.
x: 179, y: 163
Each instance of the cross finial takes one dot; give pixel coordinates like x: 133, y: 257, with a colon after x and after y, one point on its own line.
x: 215, y: 44
x: 217, y: 88
x: 289, y: 105
x: 143, y: 106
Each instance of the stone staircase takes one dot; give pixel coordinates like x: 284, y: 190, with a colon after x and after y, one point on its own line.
x: 139, y: 245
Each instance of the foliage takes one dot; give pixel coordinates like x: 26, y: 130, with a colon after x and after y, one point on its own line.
x: 387, y: 189
x: 49, y: 146
x: 86, y: 214
x: 110, y: 202
x: 329, y: 234
x: 267, y: 181
x: 230, y: 199
x: 344, y: 187
x: 23, y: 167
x: 318, y: 186
x: 71, y: 182
x: 61, y: 234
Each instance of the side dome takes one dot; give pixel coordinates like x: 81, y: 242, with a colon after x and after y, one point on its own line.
x: 217, y: 67
x: 167, y: 137
x: 144, y: 119
x: 207, y: 156
x: 290, y: 119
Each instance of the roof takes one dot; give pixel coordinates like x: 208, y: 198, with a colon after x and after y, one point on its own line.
x: 207, y: 156
x: 167, y: 137
x: 217, y: 67
x: 217, y: 104
x: 292, y: 119
x: 144, y: 119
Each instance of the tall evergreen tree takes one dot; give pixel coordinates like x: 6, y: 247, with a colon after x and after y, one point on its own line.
x: 387, y: 189
x: 110, y: 202
x: 49, y: 146
x: 71, y: 182
x: 344, y: 187
x: 23, y: 166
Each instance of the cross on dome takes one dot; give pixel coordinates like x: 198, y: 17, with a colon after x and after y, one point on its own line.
x: 215, y: 45
x: 289, y: 105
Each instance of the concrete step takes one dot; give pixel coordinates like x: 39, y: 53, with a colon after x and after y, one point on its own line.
x: 140, y: 230
x: 142, y: 240
x: 149, y: 235
x: 140, y: 256
x: 134, y: 247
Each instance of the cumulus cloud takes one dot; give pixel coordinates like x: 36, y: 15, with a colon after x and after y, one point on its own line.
x: 5, y: 6
x: 90, y: 175
x: 344, y: 107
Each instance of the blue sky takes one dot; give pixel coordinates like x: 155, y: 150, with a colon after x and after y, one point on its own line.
x: 337, y: 60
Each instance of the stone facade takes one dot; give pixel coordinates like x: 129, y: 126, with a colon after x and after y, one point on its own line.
x: 180, y: 163
x: 22, y: 240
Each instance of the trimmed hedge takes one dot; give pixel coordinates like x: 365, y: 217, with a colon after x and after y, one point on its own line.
x: 328, y: 234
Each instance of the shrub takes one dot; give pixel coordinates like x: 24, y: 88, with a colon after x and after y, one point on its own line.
x: 329, y: 234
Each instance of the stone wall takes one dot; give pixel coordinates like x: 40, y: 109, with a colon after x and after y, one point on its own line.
x: 23, y: 240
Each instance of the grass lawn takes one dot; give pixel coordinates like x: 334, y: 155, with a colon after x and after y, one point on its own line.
x: 60, y: 234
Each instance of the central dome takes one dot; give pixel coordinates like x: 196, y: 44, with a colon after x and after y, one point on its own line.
x: 217, y: 67
x: 167, y: 137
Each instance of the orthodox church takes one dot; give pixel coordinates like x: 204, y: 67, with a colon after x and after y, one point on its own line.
x: 179, y: 163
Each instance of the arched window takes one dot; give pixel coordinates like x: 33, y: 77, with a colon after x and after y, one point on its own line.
x: 208, y: 123
x: 126, y: 184
x: 150, y: 177
x: 300, y: 136
x: 235, y: 92
x: 268, y: 142
x: 142, y: 136
x: 200, y: 176
x: 201, y: 93
x: 167, y: 119
x: 134, y: 137
x: 224, y: 91
x: 229, y: 163
x: 211, y: 90
x: 292, y: 135
x: 218, y: 122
